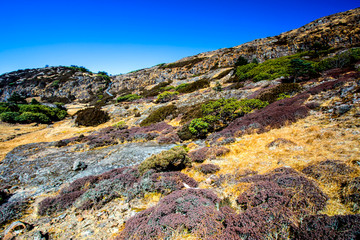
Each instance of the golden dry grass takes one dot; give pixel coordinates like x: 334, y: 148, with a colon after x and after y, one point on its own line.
x: 317, y: 138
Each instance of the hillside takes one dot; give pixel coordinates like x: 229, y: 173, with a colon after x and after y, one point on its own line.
x: 258, y: 141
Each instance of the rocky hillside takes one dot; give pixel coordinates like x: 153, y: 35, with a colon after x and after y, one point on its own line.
x: 338, y: 31
x: 214, y: 146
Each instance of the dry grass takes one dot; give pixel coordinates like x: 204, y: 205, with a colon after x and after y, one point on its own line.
x: 317, y: 138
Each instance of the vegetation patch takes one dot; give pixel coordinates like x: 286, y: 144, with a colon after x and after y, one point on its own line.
x: 128, y: 98
x: 29, y: 113
x: 284, y: 90
x: 187, y: 63
x: 91, y: 117
x: 191, y: 210
x: 166, y: 96
x: 218, y: 114
x: 326, y: 227
x: 160, y: 115
x: 154, y: 91
x: 174, y: 159
x: 93, y: 192
x: 201, y: 154
x: 194, y: 86
x: 274, y: 115
x: 208, y: 168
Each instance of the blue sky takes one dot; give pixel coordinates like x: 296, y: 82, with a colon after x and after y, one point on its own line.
x: 120, y: 36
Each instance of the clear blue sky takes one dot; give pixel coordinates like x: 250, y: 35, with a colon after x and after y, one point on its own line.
x: 120, y: 36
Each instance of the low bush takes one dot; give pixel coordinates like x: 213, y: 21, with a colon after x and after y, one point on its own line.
x: 166, y: 97
x: 11, y: 210
x: 155, y: 90
x: 9, y: 117
x: 208, y: 168
x: 91, y: 117
x: 194, y: 86
x: 275, y: 68
x: 174, y: 159
x: 29, y: 117
x: 201, y: 154
x: 328, y: 227
x: 191, y: 210
x: 29, y: 113
x: 159, y: 115
x: 218, y: 114
x: 128, y: 97
x: 274, y: 115
x: 273, y: 94
x: 345, y: 59
x: 79, y: 69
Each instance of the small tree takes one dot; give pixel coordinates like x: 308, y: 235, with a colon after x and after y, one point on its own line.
x: 241, y: 61
x: 16, y: 98
x: 300, y: 68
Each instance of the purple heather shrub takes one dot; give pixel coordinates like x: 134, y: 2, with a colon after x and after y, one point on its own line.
x: 350, y: 194
x: 329, y: 171
x: 51, y: 205
x: 274, y: 115
x: 326, y: 228
x: 208, y: 168
x: 201, y: 154
x: 10, y: 210
x: 91, y: 191
x: 284, y: 187
x: 190, y: 209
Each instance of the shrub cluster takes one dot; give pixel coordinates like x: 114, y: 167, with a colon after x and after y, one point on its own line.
x: 28, y: 113
x: 208, y: 168
x: 155, y: 90
x: 128, y: 97
x: 79, y: 69
x: 218, y: 114
x: 166, y: 96
x: 91, y: 117
x: 278, y: 92
x: 194, y: 86
x: 345, y: 59
x: 96, y: 191
x: 171, y: 160
x: 192, y: 210
x: 275, y: 68
x: 159, y: 115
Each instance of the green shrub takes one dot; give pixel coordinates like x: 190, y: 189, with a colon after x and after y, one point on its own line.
x: 168, y: 88
x: 30, y: 117
x: 9, y: 117
x: 166, y: 96
x: 199, y: 127
x: 217, y: 87
x: 8, y: 107
x: 183, y: 85
x: 55, y: 83
x: 241, y: 61
x: 159, y: 115
x: 342, y: 60
x: 155, y: 90
x: 301, y: 68
x: 218, y: 114
x: 16, y: 98
x: 274, y: 68
x: 34, y: 101
x: 275, y: 93
x: 79, y: 69
x: 128, y: 97
x: 194, y: 86
x: 241, y: 71
x: 55, y: 114
x: 174, y: 159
